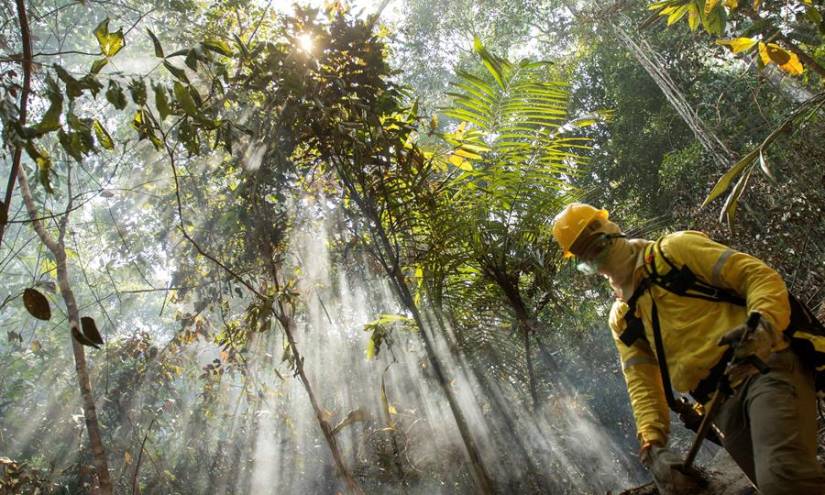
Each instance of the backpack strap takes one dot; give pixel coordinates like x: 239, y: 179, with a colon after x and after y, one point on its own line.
x: 683, y: 282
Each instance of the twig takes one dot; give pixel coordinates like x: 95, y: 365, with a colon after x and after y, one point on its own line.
x: 171, y: 153
x: 135, y: 488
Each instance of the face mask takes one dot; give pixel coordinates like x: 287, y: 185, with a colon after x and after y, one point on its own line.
x: 591, y: 267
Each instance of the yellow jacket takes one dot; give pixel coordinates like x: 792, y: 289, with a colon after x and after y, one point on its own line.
x: 691, y: 327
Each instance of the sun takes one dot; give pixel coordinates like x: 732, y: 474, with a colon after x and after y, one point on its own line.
x: 305, y: 42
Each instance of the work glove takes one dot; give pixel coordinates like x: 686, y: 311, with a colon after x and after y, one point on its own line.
x: 758, y: 343
x: 664, y: 464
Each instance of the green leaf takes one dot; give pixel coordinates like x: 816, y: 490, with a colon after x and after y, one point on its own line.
x: 90, y: 330
x: 731, y: 204
x: 115, y: 95
x: 191, y: 60
x: 51, y: 119
x: 185, y: 99
x: 677, y: 14
x: 724, y: 182
x: 156, y: 43
x: 241, y: 45
x: 490, y: 61
x: 110, y: 43
x: 36, y: 304
x: 218, y: 46
x: 73, y: 87
x: 79, y: 142
x: 137, y: 88
x: 90, y: 83
x: 161, y: 102
x: 813, y: 15
x: 180, y: 74
x: 189, y: 137
x: 145, y: 127
x: 99, y: 64
x: 103, y: 137
x: 44, y: 165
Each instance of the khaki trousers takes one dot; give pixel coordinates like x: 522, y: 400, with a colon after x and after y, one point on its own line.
x: 769, y: 425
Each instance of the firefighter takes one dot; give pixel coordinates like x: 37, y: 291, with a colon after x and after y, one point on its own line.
x: 681, y: 302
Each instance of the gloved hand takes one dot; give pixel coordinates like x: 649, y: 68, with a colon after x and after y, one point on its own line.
x: 664, y: 465
x: 758, y: 343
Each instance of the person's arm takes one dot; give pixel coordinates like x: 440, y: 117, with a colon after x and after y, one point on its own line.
x: 721, y: 266
x: 644, y: 383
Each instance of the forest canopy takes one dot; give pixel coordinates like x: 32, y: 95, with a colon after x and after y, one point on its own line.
x: 258, y: 247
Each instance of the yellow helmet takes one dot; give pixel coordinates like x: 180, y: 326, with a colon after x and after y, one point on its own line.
x: 569, y: 224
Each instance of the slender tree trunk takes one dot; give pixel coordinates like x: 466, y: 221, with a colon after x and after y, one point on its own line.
x: 57, y: 248
x: 287, y: 323
x: 503, y: 411
x: 24, y: 102
x: 326, y: 429
x: 386, y: 253
x: 483, y: 479
x: 525, y: 326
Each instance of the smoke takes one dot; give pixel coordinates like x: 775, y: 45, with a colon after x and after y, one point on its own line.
x: 254, y: 430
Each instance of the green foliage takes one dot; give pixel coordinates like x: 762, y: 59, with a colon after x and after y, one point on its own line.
x: 715, y: 16
x: 380, y: 331
x: 756, y: 157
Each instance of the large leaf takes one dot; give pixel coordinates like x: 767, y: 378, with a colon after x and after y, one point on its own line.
x: 497, y: 67
x: 771, y: 52
x: 155, y: 43
x: 185, y: 99
x: 162, y: 102
x: 36, y: 304
x: 137, y: 89
x: 44, y: 165
x: 724, y: 182
x: 737, y: 45
x: 115, y: 95
x: 218, y: 46
x: 103, y: 136
x: 98, y: 64
x: 179, y: 73
x: 90, y: 330
x: 83, y: 339
x: 51, y: 119
x: 110, y: 42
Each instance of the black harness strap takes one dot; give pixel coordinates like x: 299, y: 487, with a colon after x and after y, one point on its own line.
x: 682, y: 282
x: 660, y: 356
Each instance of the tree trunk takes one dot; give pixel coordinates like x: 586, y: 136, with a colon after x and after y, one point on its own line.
x: 353, y: 485
x: 383, y: 249
x: 24, y: 102
x: 57, y: 249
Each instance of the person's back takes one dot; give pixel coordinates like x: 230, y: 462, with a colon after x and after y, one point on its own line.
x: 677, y: 300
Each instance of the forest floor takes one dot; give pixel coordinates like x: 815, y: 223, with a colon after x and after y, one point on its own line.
x: 723, y: 475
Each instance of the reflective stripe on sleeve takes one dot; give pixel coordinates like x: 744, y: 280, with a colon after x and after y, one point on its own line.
x: 637, y: 360
x: 716, y: 275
